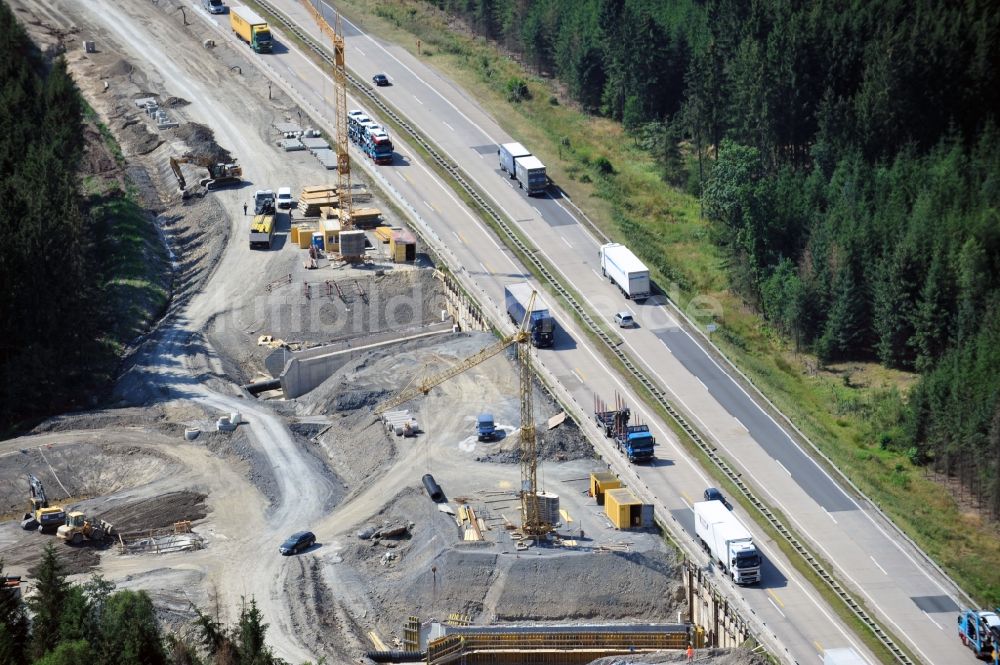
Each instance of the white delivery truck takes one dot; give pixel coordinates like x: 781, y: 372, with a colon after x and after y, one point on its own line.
x: 728, y: 541
x: 628, y: 273
x: 508, y: 152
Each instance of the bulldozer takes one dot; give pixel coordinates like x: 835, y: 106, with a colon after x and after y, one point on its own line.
x: 218, y: 174
x: 78, y: 528
x: 41, y: 515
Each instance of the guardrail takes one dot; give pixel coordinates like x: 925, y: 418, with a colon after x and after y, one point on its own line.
x: 541, y: 270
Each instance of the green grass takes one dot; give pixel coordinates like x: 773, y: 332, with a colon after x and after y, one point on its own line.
x: 843, y: 418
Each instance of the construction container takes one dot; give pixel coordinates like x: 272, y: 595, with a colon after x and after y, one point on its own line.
x: 294, y: 233
x: 601, y: 482
x: 352, y: 243
x: 625, y: 511
x: 305, y: 237
x: 331, y: 231
x: 402, y: 246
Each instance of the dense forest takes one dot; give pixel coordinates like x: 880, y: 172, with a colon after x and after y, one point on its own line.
x: 848, y: 159
x: 51, y: 312
x: 93, y: 624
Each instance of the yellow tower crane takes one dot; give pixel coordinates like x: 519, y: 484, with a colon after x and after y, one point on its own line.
x: 532, y: 523
x: 336, y: 35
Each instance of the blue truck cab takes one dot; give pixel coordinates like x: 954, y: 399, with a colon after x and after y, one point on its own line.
x: 485, y: 427
x: 637, y: 443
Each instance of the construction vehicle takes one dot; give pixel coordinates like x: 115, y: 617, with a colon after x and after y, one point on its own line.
x: 532, y: 523
x: 218, y: 174
x: 728, y: 542
x: 541, y: 325
x: 262, y: 224
x: 78, y: 528
x: 42, y: 516
x: 636, y: 442
x: 980, y: 631
x: 251, y: 28
x: 485, y: 427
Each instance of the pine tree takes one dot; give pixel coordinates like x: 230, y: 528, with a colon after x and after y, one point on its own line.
x: 48, y: 602
x: 13, y: 627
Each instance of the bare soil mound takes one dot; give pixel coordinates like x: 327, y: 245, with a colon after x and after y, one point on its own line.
x: 201, y: 143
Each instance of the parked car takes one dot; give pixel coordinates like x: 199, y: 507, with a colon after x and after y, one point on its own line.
x: 625, y: 319
x: 284, y: 199
x: 380, y: 80
x: 297, y: 542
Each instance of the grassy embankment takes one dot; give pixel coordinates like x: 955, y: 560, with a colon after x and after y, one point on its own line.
x: 133, y: 259
x: 843, y: 409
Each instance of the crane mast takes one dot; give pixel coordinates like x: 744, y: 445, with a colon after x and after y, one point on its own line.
x: 336, y: 35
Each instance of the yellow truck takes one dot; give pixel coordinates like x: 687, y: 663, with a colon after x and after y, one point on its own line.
x: 262, y: 231
x: 251, y: 28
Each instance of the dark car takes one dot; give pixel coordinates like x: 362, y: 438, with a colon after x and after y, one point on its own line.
x: 297, y: 542
x: 380, y: 80
x: 712, y: 494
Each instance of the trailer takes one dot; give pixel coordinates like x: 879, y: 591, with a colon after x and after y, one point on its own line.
x: 541, y: 325
x: 507, y: 153
x: 251, y: 28
x: 728, y: 542
x: 625, y: 271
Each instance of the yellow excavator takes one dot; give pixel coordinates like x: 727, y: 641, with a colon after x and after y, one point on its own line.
x: 41, y: 515
x: 78, y: 528
x: 219, y: 174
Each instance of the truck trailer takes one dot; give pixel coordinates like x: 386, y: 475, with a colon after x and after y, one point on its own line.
x: 727, y: 541
x: 507, y: 153
x: 541, y: 325
x: 251, y: 28
x: 627, y: 272
x: 530, y: 173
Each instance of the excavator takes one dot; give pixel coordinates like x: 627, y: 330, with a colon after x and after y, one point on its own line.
x: 218, y: 174
x: 42, y: 516
x: 78, y: 528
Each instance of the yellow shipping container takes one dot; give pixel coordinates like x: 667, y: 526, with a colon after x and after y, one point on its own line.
x: 602, y: 482
x: 622, y: 508
x: 295, y: 234
x: 305, y: 236
x: 383, y: 233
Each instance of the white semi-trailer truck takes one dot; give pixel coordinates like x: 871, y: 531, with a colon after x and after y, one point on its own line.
x: 728, y: 541
x: 622, y: 267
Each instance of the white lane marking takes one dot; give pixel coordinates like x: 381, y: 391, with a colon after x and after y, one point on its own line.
x: 567, y: 242
x: 702, y: 384
x: 577, y: 374
x: 418, y: 100
x: 485, y: 269
x: 775, y: 606
x: 830, y: 515
x: 740, y: 423
x: 878, y: 566
x: 359, y: 50
x: 538, y: 212
x: 933, y: 621
x: 455, y: 234
x: 595, y: 272
x: 664, y: 342
x: 450, y: 128
x: 778, y: 462
x: 429, y: 205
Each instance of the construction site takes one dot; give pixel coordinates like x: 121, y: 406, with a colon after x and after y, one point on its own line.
x: 331, y: 375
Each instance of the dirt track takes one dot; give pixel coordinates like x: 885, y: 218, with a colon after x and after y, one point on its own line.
x: 320, y: 463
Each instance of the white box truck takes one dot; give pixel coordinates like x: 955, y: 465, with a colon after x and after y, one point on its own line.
x: 508, y: 152
x: 530, y: 174
x: 627, y: 272
x: 728, y: 541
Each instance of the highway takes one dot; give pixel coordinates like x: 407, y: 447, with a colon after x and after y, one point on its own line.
x: 892, y: 578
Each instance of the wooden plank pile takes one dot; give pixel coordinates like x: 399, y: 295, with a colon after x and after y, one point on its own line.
x: 314, y: 199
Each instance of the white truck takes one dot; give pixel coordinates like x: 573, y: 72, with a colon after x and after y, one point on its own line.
x: 728, y: 541
x: 530, y: 174
x: 627, y: 272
